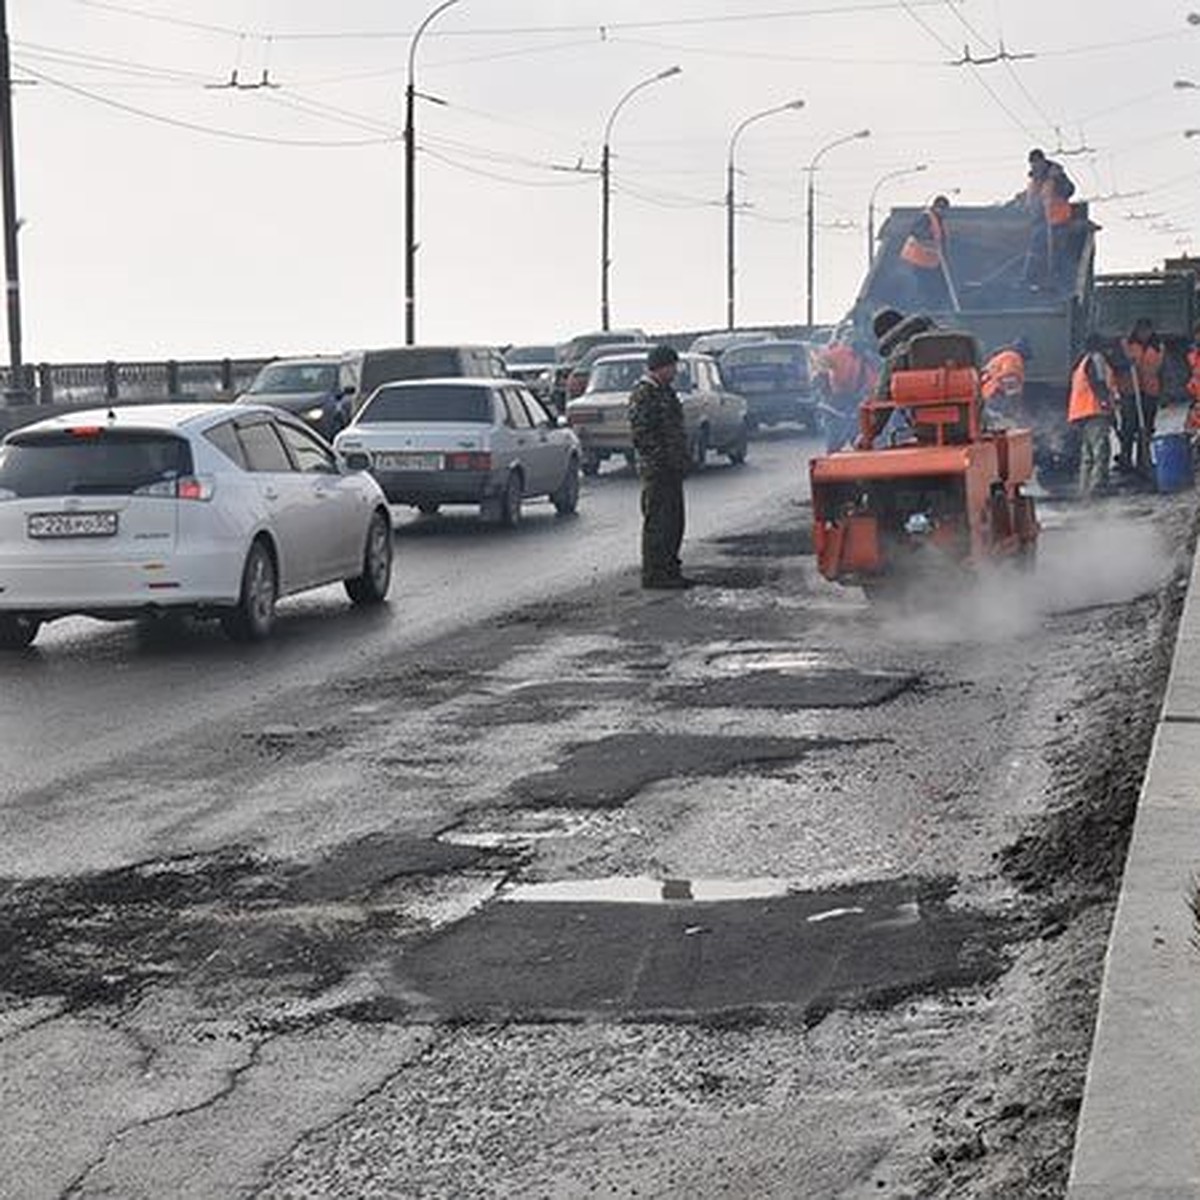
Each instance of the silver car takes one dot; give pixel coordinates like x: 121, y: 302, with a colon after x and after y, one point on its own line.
x: 714, y: 418
x: 485, y: 442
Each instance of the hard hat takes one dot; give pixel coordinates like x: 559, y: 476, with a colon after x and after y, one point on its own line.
x: 941, y: 202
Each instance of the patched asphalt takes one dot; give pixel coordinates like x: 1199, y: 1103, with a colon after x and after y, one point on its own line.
x: 792, y: 957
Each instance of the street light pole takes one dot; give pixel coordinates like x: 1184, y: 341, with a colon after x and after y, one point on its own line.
x: 410, y: 181
x: 605, y: 186
x: 871, y: 204
x: 12, y: 275
x: 729, y: 199
x: 810, y: 238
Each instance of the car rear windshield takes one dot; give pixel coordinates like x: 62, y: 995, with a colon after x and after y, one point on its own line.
x: 780, y: 362
x: 418, y: 362
x: 94, y: 462
x: 280, y: 379
x: 429, y: 405
x: 530, y: 355
x: 618, y: 376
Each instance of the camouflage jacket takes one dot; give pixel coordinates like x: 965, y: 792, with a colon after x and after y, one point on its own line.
x: 656, y: 418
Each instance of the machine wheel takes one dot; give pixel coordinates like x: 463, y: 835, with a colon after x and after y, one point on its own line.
x: 254, y: 616
x: 699, y: 449
x: 371, y: 587
x: 566, y: 499
x: 17, y: 632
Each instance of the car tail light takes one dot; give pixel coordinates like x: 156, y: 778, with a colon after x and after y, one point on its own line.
x: 468, y: 460
x: 188, y: 487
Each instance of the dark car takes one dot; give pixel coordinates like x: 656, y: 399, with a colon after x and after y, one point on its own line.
x: 533, y: 366
x: 365, y: 370
x: 313, y: 389
x: 569, y: 353
x: 775, y: 380
x: 580, y: 373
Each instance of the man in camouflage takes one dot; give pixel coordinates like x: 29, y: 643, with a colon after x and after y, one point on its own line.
x: 656, y: 418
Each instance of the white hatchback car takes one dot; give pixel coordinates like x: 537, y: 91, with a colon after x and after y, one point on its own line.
x: 487, y: 442
x: 204, y: 508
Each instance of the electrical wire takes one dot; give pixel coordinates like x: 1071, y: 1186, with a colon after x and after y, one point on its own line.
x: 771, y: 56
x: 196, y: 127
x: 534, y: 183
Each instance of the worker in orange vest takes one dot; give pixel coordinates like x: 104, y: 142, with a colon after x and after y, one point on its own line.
x: 1003, y: 379
x: 1089, y: 409
x: 847, y: 373
x: 1047, y: 199
x: 1192, y: 422
x: 923, y: 256
x: 1140, y: 383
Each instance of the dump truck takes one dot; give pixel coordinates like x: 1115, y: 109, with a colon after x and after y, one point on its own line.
x: 942, y: 495
x: 988, y: 296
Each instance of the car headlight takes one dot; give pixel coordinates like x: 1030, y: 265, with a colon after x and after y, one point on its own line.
x: 313, y: 414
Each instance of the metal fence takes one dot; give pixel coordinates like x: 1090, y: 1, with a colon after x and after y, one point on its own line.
x: 105, y: 382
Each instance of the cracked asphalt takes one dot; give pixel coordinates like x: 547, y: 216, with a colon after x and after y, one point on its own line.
x: 753, y: 890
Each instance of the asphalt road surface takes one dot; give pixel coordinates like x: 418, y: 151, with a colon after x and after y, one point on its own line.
x: 540, y: 885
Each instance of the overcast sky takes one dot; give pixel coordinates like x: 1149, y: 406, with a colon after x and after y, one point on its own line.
x: 166, y: 216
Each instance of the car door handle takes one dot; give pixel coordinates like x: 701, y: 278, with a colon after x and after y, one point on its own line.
x: 270, y: 493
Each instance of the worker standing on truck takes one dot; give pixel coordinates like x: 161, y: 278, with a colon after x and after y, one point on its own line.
x: 923, y: 256
x: 1003, y: 379
x: 1048, y: 201
x: 1089, y: 408
x: 1140, y: 383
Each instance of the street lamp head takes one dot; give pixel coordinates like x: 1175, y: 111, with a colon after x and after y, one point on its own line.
x: 1193, y: 18
x: 1191, y: 133
x: 669, y: 72
x: 1184, y: 85
x: 862, y: 133
x: 794, y: 104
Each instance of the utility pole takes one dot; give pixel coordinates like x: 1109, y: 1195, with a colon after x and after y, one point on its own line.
x: 8, y: 186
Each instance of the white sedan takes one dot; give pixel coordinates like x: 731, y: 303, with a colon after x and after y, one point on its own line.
x: 485, y: 442
x: 203, y: 508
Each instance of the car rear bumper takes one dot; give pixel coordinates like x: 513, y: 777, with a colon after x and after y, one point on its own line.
x: 439, y: 487
x: 780, y: 406
x: 30, y: 585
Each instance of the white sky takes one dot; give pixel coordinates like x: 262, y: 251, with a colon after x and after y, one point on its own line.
x: 276, y: 226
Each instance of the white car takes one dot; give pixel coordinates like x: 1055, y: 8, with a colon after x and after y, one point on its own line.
x: 213, y: 509
x: 485, y: 442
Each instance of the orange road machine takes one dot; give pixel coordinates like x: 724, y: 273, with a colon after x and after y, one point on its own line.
x: 942, y: 492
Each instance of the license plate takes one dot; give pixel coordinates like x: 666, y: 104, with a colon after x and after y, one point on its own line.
x: 70, y: 525
x: 590, y: 418
x: 409, y: 461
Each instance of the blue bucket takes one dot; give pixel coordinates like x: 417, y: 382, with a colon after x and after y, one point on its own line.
x: 1171, y: 454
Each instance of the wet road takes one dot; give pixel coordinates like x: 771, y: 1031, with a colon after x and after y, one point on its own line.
x: 91, y: 692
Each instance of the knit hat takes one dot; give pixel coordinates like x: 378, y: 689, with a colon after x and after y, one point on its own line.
x: 661, y: 355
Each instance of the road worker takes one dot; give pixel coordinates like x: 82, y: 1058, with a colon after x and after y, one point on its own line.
x: 1192, y: 421
x: 1047, y: 200
x: 659, y: 437
x: 1140, y: 385
x: 846, y: 373
x: 1093, y: 398
x: 893, y: 332
x: 1003, y: 379
x: 923, y: 257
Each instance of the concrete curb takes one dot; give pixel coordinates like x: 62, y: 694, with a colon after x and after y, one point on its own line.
x: 1138, y: 1136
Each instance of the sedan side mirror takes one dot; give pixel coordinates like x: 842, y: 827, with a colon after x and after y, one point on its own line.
x: 356, y: 460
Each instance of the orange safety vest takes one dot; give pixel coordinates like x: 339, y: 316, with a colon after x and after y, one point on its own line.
x: 926, y: 256
x: 1147, y: 362
x: 1004, y: 374
x: 1058, y: 210
x: 1193, y: 384
x: 847, y: 371
x: 1084, y: 402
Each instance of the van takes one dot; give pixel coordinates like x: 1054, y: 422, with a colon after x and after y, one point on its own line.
x: 362, y: 371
